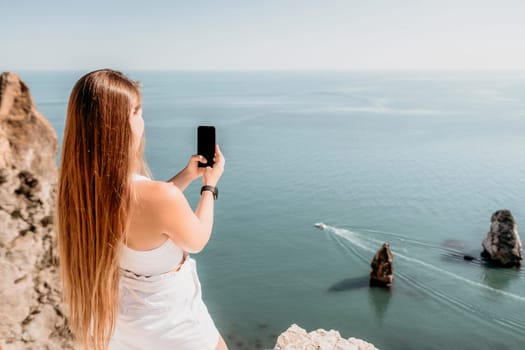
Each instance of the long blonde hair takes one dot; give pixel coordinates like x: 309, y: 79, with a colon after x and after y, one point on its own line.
x: 94, y: 199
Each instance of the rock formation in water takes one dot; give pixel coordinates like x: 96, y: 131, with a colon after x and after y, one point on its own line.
x: 30, y: 298
x: 502, y: 246
x: 382, y: 265
x: 296, y: 338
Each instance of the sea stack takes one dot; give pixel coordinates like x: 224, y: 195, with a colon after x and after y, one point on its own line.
x: 382, y: 274
x: 502, y: 246
x: 31, y: 312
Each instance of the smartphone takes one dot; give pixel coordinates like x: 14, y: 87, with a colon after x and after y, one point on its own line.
x: 206, y: 144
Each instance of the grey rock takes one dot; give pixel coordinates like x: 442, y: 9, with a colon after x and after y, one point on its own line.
x: 502, y: 245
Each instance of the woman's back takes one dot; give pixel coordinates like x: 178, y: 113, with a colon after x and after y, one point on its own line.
x: 148, y: 262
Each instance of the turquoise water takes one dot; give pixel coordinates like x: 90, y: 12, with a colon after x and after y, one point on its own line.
x: 418, y: 159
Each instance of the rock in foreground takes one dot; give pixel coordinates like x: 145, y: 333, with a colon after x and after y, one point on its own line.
x: 296, y: 338
x: 502, y: 246
x: 382, y: 274
x: 31, y: 314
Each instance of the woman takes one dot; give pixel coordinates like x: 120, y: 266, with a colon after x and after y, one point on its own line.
x: 124, y: 239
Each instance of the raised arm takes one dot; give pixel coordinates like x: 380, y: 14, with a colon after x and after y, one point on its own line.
x: 190, y: 230
x: 189, y: 173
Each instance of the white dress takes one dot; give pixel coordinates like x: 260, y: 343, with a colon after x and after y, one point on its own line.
x: 161, y: 310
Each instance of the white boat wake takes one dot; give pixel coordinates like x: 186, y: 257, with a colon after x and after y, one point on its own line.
x: 360, y: 242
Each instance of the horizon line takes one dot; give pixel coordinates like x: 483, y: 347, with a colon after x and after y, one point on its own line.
x: 277, y: 70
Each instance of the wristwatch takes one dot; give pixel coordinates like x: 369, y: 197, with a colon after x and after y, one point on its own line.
x: 212, y: 189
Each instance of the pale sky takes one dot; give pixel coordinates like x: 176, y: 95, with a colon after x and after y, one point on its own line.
x: 262, y: 34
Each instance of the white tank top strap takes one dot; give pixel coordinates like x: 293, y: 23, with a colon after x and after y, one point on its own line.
x: 138, y: 177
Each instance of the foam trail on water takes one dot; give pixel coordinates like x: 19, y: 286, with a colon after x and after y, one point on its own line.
x: 351, y: 249
x: 405, y: 239
x: 467, y: 308
x: 354, y: 239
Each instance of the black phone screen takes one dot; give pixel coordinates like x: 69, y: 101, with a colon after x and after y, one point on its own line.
x: 206, y: 144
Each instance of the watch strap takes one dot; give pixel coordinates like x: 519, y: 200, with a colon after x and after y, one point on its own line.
x: 212, y: 189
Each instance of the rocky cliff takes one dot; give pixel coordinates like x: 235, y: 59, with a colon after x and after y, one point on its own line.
x: 31, y: 311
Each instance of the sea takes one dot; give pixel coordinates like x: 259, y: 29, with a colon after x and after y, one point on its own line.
x: 419, y: 159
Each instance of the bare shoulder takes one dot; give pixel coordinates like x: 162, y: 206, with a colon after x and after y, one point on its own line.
x: 156, y: 194
x: 164, y: 209
x: 156, y: 207
x: 161, y: 202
